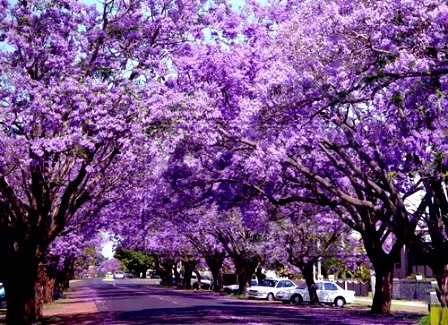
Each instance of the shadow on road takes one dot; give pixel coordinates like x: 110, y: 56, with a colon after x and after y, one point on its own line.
x: 137, y: 306
x: 235, y: 315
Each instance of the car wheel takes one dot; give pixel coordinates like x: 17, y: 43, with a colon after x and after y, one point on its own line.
x: 270, y: 296
x: 297, y: 299
x: 339, y: 302
x: 3, y: 304
x: 195, y: 286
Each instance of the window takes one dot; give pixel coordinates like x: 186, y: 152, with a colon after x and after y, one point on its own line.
x: 289, y: 284
x: 330, y: 286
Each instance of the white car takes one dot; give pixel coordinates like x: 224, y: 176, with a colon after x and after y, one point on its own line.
x: 231, y: 288
x: 267, y: 289
x: 119, y: 275
x: 206, y: 284
x: 328, y: 292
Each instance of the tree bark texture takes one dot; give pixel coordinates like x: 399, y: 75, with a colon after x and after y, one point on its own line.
x: 383, y: 288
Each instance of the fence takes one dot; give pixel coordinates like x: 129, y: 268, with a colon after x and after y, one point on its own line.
x: 412, y: 289
x: 360, y: 288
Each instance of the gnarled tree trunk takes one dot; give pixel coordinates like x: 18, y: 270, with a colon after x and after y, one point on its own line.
x: 382, y: 298
x: 214, y: 263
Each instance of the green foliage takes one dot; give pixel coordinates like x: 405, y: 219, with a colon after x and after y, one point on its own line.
x: 134, y: 261
x: 89, y: 257
x: 342, y: 270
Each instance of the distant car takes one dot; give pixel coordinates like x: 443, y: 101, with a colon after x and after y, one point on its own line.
x: 231, y: 288
x: 109, y: 275
x: 206, y: 284
x: 152, y: 275
x: 328, y: 292
x: 119, y: 275
x: 128, y: 275
x: 2, y: 296
x: 268, y: 288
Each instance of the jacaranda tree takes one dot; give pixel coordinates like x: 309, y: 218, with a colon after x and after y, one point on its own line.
x: 77, y: 89
x: 360, y: 96
x: 340, y: 105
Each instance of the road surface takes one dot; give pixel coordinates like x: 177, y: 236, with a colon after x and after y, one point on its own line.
x: 135, y: 301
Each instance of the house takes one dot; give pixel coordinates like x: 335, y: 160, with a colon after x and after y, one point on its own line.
x: 408, y: 265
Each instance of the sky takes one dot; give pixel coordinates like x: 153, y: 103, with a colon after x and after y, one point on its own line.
x: 107, y: 250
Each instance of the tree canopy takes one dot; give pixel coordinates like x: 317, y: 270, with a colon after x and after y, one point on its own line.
x: 159, y: 120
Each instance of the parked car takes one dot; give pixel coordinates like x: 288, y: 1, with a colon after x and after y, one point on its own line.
x: 109, y: 275
x: 128, y: 275
x: 119, y: 275
x: 2, y: 296
x: 268, y: 288
x: 328, y: 292
x: 206, y: 284
x: 152, y: 274
x: 231, y: 288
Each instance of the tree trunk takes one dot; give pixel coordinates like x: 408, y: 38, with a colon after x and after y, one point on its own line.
x: 307, y: 270
x: 177, y: 276
x: 40, y: 289
x: 19, y: 282
x: 383, y: 287
x: 260, y: 275
x: 245, y: 268
x: 214, y: 263
x: 189, y: 266
x: 64, y: 275
x: 165, y: 270
x: 441, y: 275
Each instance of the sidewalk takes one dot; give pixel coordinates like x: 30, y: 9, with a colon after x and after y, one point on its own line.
x: 73, y: 302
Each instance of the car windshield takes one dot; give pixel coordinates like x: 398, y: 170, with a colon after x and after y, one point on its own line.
x: 268, y: 283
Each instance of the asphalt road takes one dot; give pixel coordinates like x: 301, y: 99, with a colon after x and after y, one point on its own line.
x: 135, y: 301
